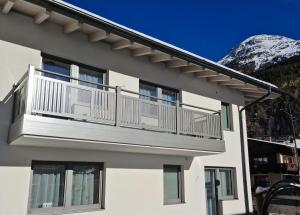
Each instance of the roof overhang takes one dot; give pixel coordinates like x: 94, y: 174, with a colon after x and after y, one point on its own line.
x: 99, y: 29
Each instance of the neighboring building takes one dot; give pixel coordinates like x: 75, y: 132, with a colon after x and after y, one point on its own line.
x: 107, y: 120
x: 271, y: 162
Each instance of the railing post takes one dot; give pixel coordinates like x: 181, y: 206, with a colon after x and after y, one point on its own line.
x: 30, y: 89
x: 118, y: 105
x: 221, y: 129
x: 177, y: 117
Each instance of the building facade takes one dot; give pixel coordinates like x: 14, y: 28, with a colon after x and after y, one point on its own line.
x: 271, y: 162
x: 96, y: 118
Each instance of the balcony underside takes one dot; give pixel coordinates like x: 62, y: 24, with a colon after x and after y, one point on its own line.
x: 33, y: 130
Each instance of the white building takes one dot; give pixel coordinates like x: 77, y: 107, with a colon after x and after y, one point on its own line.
x: 102, y: 119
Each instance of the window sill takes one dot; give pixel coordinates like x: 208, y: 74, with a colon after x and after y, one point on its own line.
x: 229, y: 199
x: 228, y: 129
x: 58, y: 211
x: 174, y: 203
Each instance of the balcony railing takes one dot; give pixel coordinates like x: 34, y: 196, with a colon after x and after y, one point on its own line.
x: 46, y: 96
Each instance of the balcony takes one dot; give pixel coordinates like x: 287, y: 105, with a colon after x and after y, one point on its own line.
x: 54, y: 113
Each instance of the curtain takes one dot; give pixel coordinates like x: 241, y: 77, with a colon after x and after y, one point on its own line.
x: 226, y: 183
x: 85, y: 189
x: 169, y: 95
x: 91, y: 77
x: 47, y: 186
x: 148, y: 90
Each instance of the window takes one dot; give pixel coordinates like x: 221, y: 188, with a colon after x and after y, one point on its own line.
x: 260, y: 160
x: 90, y: 76
x: 56, y: 67
x: 79, y: 71
x: 173, y: 184
x: 262, y: 180
x: 63, y: 185
x: 169, y: 96
x: 148, y: 90
x: 226, y: 116
x: 226, y: 189
x: 227, y: 178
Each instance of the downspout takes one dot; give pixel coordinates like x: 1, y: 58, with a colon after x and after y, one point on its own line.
x: 244, y: 165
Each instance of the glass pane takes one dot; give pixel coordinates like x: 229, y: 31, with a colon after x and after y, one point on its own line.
x: 211, y: 199
x: 90, y: 76
x: 48, y: 186
x: 85, y: 188
x: 169, y: 95
x: 226, y: 186
x: 225, y: 115
x: 57, y: 67
x: 171, y: 183
x: 148, y: 90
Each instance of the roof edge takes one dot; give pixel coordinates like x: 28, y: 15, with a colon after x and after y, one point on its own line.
x: 130, y: 34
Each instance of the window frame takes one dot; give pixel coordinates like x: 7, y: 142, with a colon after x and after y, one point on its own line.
x: 181, y: 186
x: 79, y: 65
x: 233, y: 182
x: 230, y: 117
x: 159, y: 92
x: 67, y: 199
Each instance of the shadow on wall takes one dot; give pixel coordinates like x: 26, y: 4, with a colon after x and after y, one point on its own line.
x: 23, y: 156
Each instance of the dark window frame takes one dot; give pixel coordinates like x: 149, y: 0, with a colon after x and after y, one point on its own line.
x: 103, y: 72
x: 228, y: 127
x: 68, y: 189
x: 233, y: 181
x: 159, y: 91
x: 181, y: 187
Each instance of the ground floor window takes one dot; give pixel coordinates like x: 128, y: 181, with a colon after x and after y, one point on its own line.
x: 226, y: 178
x: 173, y: 184
x: 63, y: 185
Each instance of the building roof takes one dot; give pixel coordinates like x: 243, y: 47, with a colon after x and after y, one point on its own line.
x: 98, y: 29
x: 281, y: 143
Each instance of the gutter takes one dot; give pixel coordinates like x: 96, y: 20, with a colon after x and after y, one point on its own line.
x: 244, y: 165
x: 82, y: 16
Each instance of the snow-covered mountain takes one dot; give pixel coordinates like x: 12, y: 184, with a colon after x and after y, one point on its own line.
x: 260, y: 51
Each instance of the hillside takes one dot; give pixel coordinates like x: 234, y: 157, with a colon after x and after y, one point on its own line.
x: 275, y: 59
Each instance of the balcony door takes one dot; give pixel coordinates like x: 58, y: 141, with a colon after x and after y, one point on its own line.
x: 211, y: 192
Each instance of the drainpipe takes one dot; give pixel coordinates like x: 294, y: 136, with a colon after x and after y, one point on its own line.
x: 244, y: 165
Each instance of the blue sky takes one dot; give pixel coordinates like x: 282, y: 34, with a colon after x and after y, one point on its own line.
x: 208, y: 28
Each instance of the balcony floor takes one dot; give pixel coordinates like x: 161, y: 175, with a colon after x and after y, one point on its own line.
x: 34, y: 130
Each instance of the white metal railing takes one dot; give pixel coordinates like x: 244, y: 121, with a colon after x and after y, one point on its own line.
x: 38, y: 94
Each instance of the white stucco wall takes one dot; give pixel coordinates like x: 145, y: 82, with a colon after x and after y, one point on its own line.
x: 134, y: 182
x: 14, y: 62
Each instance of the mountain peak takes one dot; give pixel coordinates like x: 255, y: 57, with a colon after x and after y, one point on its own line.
x: 259, y: 51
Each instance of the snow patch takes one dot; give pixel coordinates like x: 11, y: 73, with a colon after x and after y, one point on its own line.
x: 262, y: 49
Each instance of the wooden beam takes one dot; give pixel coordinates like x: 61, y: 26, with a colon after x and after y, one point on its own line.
x: 98, y: 35
x: 160, y: 58
x: 142, y: 51
x: 176, y: 63
x: 8, y: 5
x: 71, y: 27
x: 253, y: 91
x: 206, y: 74
x: 250, y: 95
x: 245, y: 87
x: 192, y: 69
x: 233, y: 82
x: 42, y: 16
x: 220, y: 78
x: 121, y: 44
